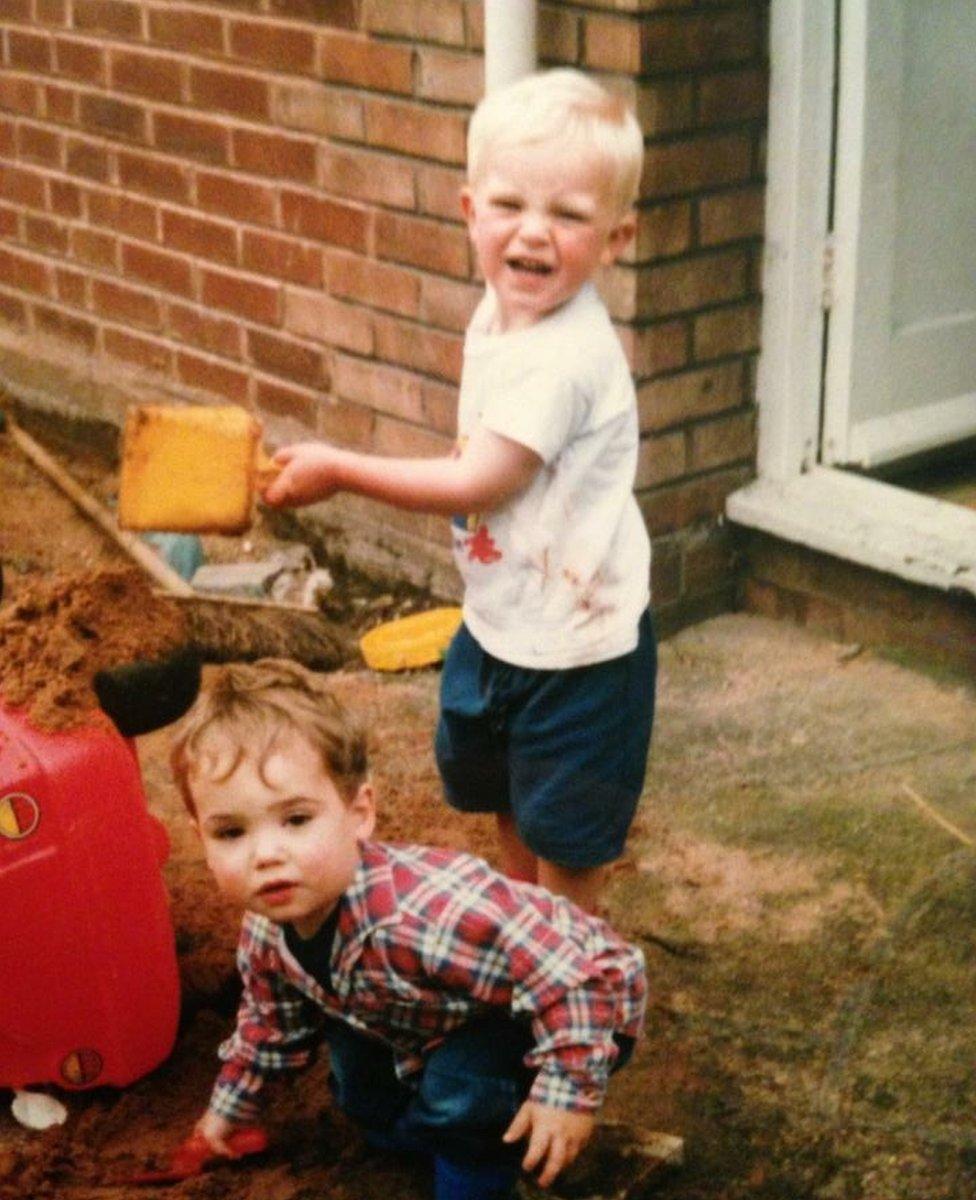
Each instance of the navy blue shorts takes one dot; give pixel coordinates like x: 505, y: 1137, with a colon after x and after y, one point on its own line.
x: 564, y: 751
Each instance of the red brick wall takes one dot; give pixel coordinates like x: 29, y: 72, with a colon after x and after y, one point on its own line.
x: 256, y: 200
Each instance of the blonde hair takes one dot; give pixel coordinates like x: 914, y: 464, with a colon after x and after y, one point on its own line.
x: 250, y: 705
x: 560, y: 106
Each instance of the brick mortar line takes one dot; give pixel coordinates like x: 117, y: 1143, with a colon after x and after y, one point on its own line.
x: 142, y: 331
x: 99, y: 274
x: 46, y: 172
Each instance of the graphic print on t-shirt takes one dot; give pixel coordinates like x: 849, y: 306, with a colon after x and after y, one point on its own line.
x: 473, y: 534
x: 478, y: 543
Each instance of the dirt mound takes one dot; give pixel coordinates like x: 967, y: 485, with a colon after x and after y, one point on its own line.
x: 59, y: 633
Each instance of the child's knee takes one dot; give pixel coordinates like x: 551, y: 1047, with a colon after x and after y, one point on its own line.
x: 476, y: 1081
x: 466, y: 1104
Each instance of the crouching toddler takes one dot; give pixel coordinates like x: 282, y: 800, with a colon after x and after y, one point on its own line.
x: 468, y: 1017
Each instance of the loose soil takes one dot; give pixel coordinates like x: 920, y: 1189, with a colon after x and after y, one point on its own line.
x: 60, y: 632
x: 808, y: 929
x: 72, y: 605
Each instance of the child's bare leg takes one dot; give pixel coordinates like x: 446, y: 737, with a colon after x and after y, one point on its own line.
x: 583, y: 885
x: 518, y: 861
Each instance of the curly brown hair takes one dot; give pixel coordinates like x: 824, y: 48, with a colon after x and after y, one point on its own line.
x: 252, y: 705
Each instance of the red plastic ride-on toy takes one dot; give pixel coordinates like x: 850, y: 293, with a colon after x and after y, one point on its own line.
x: 89, y: 989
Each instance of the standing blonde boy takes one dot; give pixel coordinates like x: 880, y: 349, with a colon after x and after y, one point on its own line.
x: 547, y: 695
x: 469, y: 1018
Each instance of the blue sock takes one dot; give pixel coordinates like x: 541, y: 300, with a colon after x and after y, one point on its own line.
x: 454, y: 1181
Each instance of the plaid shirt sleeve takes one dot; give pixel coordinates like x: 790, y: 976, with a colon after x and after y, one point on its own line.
x: 581, y: 990
x: 541, y: 957
x: 576, y: 1013
x: 278, y: 1027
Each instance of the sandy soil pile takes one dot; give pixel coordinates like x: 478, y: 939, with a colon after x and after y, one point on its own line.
x: 57, y: 634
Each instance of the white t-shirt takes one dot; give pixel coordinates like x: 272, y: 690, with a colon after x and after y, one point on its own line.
x: 558, y: 576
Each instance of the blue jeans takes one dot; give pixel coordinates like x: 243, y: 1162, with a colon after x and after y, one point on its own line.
x: 470, y: 1089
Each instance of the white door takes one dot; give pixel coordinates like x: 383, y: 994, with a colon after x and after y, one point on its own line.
x: 901, y: 341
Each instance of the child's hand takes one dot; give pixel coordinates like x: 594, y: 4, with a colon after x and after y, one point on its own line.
x: 555, y: 1137
x: 215, y: 1131
x: 309, y: 472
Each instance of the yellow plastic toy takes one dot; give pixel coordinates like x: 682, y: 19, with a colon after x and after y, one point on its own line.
x: 191, y: 469
x: 420, y: 640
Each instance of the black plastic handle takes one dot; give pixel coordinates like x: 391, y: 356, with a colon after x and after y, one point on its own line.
x: 144, y: 695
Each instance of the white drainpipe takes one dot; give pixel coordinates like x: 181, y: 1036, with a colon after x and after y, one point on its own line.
x: 510, y: 41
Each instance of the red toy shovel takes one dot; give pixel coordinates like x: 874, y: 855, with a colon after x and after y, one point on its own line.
x: 194, y: 1155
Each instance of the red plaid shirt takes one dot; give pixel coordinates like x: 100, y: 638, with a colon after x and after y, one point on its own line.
x: 426, y: 940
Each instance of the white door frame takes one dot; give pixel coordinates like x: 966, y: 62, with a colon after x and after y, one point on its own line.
x: 862, y: 520
x: 797, y: 209
x: 868, y: 348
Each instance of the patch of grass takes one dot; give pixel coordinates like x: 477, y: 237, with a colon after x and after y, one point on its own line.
x: 875, y: 840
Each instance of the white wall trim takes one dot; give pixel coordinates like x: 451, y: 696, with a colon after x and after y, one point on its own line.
x: 879, y: 438
x: 860, y: 520
x: 797, y: 208
x: 847, y: 233
x: 895, y: 531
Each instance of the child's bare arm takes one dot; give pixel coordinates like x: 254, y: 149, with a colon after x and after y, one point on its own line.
x: 490, y: 469
x: 556, y: 1136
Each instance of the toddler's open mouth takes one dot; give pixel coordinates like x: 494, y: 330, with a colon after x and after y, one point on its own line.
x: 530, y: 265
x: 277, y: 892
